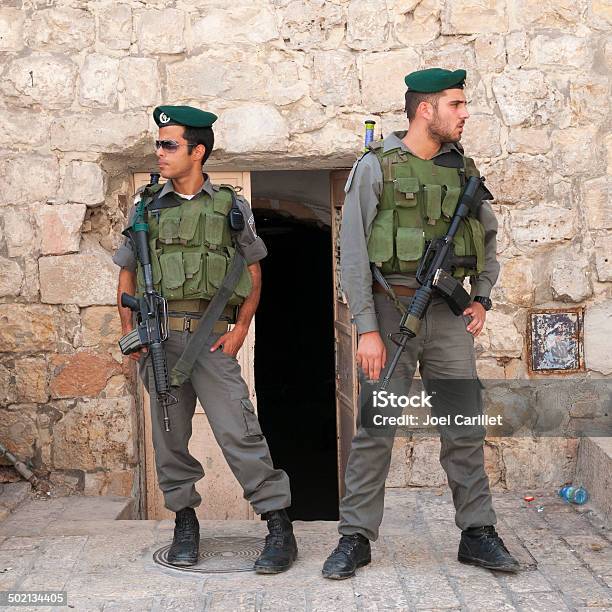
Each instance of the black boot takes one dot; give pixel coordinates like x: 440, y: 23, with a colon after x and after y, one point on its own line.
x: 482, y: 546
x: 186, y: 542
x: 280, y: 550
x: 353, y: 551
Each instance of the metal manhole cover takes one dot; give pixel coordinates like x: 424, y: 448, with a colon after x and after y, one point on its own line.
x: 218, y: 555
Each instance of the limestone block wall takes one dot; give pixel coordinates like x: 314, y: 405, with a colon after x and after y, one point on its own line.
x: 292, y: 82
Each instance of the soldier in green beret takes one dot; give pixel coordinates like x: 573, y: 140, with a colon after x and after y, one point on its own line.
x: 189, y: 230
x: 399, y: 194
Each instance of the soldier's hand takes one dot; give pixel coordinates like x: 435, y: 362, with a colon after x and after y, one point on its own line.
x: 479, y: 314
x: 371, y: 354
x: 231, y: 341
x: 138, y: 354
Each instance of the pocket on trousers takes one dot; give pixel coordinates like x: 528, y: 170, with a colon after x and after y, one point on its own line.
x: 251, y: 422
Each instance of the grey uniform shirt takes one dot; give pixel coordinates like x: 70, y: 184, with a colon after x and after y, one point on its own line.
x: 363, y: 191
x: 249, y: 243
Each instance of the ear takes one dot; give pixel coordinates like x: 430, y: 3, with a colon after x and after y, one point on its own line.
x: 426, y: 110
x: 198, y: 152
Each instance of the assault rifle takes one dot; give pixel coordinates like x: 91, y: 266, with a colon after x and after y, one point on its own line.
x: 151, y: 312
x: 434, y: 274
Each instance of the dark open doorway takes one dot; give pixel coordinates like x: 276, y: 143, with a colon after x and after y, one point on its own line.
x: 294, y: 359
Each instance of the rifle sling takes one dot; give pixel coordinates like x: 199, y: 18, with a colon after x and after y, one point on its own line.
x: 184, y: 366
x: 382, y: 281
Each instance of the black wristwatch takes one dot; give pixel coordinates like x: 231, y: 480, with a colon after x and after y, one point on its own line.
x: 485, y: 301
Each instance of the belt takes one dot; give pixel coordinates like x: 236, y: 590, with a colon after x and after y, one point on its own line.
x: 397, y: 289
x: 190, y: 324
x: 185, y: 315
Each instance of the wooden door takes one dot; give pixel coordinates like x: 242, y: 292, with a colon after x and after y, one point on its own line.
x: 345, y: 337
x: 221, y: 494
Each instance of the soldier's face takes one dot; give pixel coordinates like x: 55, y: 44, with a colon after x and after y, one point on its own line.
x: 178, y: 162
x: 448, y: 119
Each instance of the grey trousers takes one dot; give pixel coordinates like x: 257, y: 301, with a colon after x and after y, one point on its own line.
x: 444, y: 350
x: 218, y: 384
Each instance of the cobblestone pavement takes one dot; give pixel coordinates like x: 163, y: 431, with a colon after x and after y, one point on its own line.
x: 107, y: 565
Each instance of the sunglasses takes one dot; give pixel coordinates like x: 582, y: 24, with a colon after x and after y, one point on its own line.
x: 171, y: 146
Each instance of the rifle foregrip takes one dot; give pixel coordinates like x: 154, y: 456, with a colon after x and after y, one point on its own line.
x: 160, y: 368
x: 420, y: 302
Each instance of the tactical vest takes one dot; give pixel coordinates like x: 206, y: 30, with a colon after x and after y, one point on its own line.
x: 191, y: 247
x: 418, y: 201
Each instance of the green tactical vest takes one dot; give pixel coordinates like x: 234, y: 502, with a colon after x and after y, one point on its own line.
x: 191, y: 247
x: 418, y: 201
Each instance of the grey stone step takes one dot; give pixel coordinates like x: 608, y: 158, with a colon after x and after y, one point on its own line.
x: 594, y: 472
x: 39, y: 516
x: 12, y: 494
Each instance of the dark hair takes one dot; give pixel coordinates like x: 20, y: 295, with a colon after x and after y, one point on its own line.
x: 414, y: 98
x: 203, y: 136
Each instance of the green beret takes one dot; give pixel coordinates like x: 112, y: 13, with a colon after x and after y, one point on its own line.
x: 183, y: 115
x: 433, y: 80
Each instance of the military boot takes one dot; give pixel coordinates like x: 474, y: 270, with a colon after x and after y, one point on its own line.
x: 353, y: 551
x: 280, y: 550
x: 482, y: 546
x: 185, y: 546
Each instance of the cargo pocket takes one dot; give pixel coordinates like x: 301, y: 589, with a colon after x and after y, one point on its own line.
x: 173, y: 275
x: 155, y: 267
x: 188, y: 227
x: 192, y: 264
x: 213, y: 233
x: 169, y: 223
x: 450, y: 201
x: 222, y: 202
x: 410, y: 242
x: 215, y: 271
x: 406, y: 190
x: 433, y: 203
x: 380, y: 243
x: 251, y: 422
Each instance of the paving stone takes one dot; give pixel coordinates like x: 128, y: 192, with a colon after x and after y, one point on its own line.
x: 331, y: 598
x: 595, y: 551
x: 577, y: 583
x: 531, y: 581
x: 542, y: 602
x: 14, y: 566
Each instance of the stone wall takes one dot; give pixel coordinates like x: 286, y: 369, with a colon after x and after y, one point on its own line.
x: 292, y: 82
